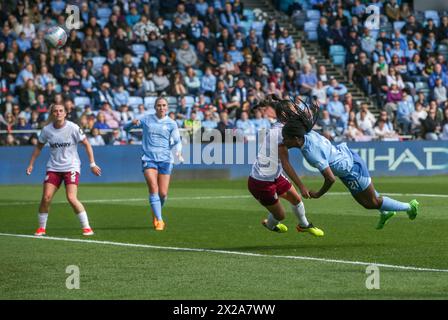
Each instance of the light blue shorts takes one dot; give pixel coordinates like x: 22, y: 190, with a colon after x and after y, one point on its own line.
x: 162, y: 167
x: 359, y: 178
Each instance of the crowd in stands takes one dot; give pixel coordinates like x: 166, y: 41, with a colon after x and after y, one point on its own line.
x: 214, y: 61
x: 400, y: 64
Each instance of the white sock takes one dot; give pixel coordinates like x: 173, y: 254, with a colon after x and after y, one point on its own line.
x: 299, y: 211
x: 42, y: 217
x: 272, y: 222
x: 83, y: 219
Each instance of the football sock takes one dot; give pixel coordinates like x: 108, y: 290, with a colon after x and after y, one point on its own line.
x: 83, y: 219
x: 156, y: 205
x: 272, y: 222
x: 299, y: 211
x: 162, y: 200
x: 42, y: 217
x: 378, y: 195
x: 394, y: 205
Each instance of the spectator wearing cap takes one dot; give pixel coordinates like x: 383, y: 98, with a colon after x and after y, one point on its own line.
x: 22, y: 124
x: 352, y: 39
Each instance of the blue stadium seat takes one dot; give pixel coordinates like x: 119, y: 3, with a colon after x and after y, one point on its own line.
x: 313, y: 15
x: 190, y: 100
x: 139, y: 49
x: 268, y: 62
x: 134, y: 102
x: 98, y: 63
x: 82, y: 102
x: 136, y: 61
x: 312, y: 35
x: 422, y: 86
x: 249, y: 14
x: 154, y: 60
x: 337, y: 50
x: 103, y: 13
x: 310, y: 26
x: 258, y: 27
x: 168, y: 24
x: 149, y: 102
x: 398, y: 25
x: 434, y: 15
x: 338, y: 59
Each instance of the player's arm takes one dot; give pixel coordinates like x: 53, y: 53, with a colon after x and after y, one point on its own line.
x: 177, y: 143
x: 34, y: 156
x: 93, y: 167
x: 329, y: 180
x: 136, y: 123
x: 287, y: 167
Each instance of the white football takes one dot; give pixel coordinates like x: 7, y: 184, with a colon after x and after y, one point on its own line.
x: 56, y: 37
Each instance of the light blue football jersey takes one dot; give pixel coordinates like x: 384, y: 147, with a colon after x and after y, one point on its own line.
x: 160, y: 136
x: 321, y: 154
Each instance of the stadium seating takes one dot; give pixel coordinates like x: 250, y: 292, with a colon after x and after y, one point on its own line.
x: 81, y: 102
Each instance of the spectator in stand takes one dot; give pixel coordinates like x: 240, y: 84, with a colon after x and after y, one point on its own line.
x: 383, y: 132
x: 336, y: 87
x: 96, y: 139
x: 417, y: 116
x: 161, y: 81
x: 320, y: 93
x: 338, y: 113
x: 324, y: 35
x: 186, y: 56
x: 307, y: 80
x: 246, y: 127
x: 440, y: 93
x: 444, y: 133
x: 431, y: 126
x: 363, y: 73
x: 259, y: 122
x: 192, y: 82
x: 208, y: 83
x: 404, y: 112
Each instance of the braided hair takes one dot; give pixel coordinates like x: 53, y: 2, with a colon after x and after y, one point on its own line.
x: 300, y: 117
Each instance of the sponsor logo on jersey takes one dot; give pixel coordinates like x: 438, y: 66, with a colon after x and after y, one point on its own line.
x: 60, y: 144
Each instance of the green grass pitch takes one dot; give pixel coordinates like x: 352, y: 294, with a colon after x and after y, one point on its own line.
x: 221, y: 215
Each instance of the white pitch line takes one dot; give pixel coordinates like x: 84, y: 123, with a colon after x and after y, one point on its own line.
x: 249, y: 254
x: 18, y: 203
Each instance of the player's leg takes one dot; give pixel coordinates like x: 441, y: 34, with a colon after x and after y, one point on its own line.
x: 264, y: 192
x: 298, y: 207
x: 151, y: 177
x: 49, y: 190
x: 165, y: 169
x: 370, y: 199
x: 71, y: 192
